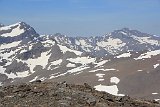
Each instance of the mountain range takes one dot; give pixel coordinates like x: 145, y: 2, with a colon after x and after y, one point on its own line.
x: 123, y: 62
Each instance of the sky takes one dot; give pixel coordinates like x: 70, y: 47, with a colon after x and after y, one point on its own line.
x: 83, y: 17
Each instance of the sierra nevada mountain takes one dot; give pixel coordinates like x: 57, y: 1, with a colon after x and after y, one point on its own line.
x: 123, y: 62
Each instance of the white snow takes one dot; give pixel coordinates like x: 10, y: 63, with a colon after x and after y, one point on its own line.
x: 101, y: 63
x: 114, y: 80
x: 154, y: 93
x: 109, y: 89
x: 16, y: 31
x: 43, y: 78
x: 11, y: 75
x: 148, y: 54
x: 124, y: 55
x: 9, y: 45
x: 74, y: 70
x: 83, y: 43
x: 35, y: 78
x: 57, y: 62
x: 99, y: 75
x: 42, y: 60
x: 157, y: 99
x: 70, y: 65
x: 146, y: 40
x: 77, y: 42
x: 82, y: 60
x: 64, y: 49
x: 100, y: 79
x: 53, y: 76
x: 112, y: 69
x: 9, y: 27
x: 123, y: 33
x: 48, y: 43
x: 6, y: 55
x: 156, y: 65
x: 22, y: 74
x: 111, y: 43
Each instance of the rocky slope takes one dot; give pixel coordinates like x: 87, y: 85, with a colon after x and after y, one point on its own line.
x: 51, y: 94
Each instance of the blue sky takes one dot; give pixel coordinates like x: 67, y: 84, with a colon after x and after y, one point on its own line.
x: 83, y: 17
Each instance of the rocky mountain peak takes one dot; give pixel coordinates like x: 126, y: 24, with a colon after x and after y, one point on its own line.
x: 17, y: 32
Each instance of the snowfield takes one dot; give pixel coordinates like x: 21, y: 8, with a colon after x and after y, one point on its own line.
x: 9, y: 45
x: 14, y: 32
x: 100, y: 75
x: 124, y: 55
x: 148, y: 54
x: 109, y: 89
x: 156, y: 65
x: 114, y: 80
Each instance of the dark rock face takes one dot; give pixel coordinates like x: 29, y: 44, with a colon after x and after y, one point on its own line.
x: 16, y: 67
x: 48, y: 94
x: 35, y: 52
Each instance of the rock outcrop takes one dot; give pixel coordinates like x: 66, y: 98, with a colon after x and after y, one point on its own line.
x: 53, y: 94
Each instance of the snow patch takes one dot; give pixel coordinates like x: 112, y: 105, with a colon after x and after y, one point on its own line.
x: 109, y: 89
x: 82, y: 60
x: 81, y: 68
x: 100, y: 79
x: 139, y: 70
x: 15, y: 32
x: 34, y: 79
x: 154, y: 93
x: 148, y: 54
x: 42, y: 60
x: 64, y: 49
x: 70, y: 65
x: 101, y: 63
x: 114, y: 80
x: 111, y: 43
x: 48, y: 43
x: 9, y: 45
x: 0, y: 83
x: 53, y: 76
x: 146, y: 40
x: 124, y: 55
x: 112, y: 69
x: 156, y: 65
x: 43, y: 78
x: 22, y: 74
x: 100, y: 75
x: 123, y: 33
x: 57, y: 62
x: 157, y: 99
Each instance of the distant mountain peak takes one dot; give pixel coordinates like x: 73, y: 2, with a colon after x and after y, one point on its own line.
x: 18, y: 31
x: 125, y: 29
x: 1, y: 25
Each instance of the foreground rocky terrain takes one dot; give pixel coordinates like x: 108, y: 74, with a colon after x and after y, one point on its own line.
x: 54, y: 94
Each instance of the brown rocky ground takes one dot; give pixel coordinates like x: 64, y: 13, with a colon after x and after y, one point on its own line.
x: 54, y: 94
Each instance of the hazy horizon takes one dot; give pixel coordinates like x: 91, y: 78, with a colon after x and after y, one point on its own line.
x: 83, y: 17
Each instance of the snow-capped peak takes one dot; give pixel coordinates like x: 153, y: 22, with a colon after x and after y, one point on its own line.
x: 16, y: 29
